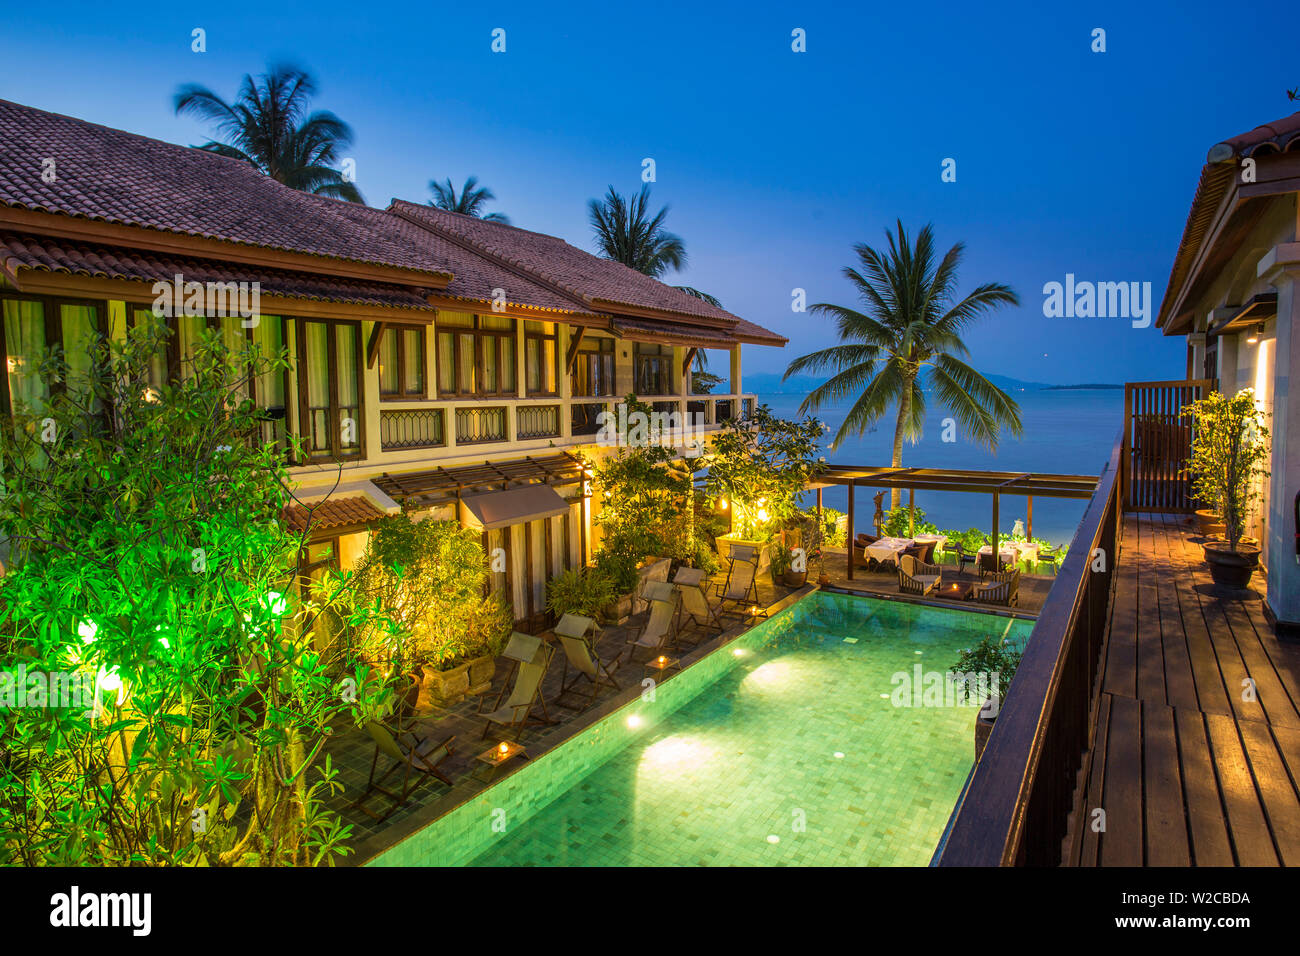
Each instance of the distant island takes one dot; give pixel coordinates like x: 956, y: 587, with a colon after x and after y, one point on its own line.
x: 770, y: 383
x: 1065, y: 388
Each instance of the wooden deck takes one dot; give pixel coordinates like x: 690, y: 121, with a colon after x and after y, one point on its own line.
x: 1195, y: 756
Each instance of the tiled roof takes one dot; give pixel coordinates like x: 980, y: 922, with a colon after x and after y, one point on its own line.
x: 19, y: 252
x: 601, y: 284
x: 331, y: 513
x: 1217, y: 176
x: 119, y: 177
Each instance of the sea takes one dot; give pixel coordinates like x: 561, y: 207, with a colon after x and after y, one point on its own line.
x: 1066, y: 431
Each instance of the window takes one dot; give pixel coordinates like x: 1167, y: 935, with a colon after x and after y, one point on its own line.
x: 541, y: 358
x: 593, y: 368
x: 653, y: 369
x: 31, y: 326
x: 401, y: 363
x: 476, y: 355
x: 329, y: 388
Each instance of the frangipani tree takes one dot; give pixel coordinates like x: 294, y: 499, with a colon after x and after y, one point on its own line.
x: 147, y: 548
x: 759, y: 465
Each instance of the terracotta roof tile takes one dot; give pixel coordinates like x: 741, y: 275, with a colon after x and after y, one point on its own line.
x: 45, y: 254
x: 331, y: 513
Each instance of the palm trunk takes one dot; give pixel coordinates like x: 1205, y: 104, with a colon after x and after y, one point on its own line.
x: 904, y: 413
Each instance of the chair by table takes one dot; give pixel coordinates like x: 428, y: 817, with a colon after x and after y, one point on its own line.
x: 915, y: 577
x: 1004, y: 589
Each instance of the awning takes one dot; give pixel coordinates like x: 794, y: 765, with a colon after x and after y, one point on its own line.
x: 500, y: 509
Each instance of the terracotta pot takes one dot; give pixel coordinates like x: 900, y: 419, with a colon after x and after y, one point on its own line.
x: 794, y: 579
x: 1231, y: 570
x: 1208, y: 522
x: 823, y: 579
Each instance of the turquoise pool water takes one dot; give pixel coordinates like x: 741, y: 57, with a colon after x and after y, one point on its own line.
x: 796, y: 754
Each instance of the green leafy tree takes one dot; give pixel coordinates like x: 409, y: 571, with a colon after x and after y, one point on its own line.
x: 269, y: 126
x: 908, y: 335
x: 469, y: 202
x: 147, y: 555
x: 760, y: 465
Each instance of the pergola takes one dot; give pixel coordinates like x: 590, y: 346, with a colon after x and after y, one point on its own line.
x: 997, y: 483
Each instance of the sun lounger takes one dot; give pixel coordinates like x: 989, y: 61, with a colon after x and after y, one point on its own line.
x: 577, y: 636
x: 526, y: 692
x: 409, y: 755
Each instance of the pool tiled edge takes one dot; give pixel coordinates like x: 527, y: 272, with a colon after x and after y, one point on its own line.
x: 462, y: 824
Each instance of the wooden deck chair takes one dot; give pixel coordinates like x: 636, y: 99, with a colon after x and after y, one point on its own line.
x: 914, y: 577
x: 1004, y: 588
x: 694, y: 602
x: 409, y: 754
x: 525, y: 694
x: 577, y: 636
x: 657, y: 634
x: 740, y: 588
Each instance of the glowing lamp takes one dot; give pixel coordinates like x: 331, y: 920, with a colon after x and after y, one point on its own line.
x: 1255, y: 333
x: 504, y: 749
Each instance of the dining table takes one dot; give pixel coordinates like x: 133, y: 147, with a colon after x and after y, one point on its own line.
x: 1013, y: 552
x: 887, y: 549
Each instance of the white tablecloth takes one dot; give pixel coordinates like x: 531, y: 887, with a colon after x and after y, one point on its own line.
x: 1014, y: 552
x: 887, y: 549
x: 940, y: 540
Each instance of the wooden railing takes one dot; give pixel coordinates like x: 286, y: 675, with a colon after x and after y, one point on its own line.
x: 1158, y: 443
x: 1017, y: 805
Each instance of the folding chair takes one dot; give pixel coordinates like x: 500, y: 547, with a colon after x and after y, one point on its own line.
x: 526, y: 693
x: 694, y: 602
x: 657, y: 634
x: 410, y: 758
x: 576, y: 634
x: 740, y: 588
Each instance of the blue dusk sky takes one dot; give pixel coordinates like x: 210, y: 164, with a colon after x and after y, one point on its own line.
x: 774, y: 163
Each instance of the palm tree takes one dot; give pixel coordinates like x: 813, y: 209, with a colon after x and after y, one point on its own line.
x: 470, y: 202
x: 910, y: 324
x: 269, y: 126
x: 627, y: 233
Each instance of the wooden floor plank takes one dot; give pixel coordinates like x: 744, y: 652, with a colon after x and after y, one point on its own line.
x: 1276, y: 788
x: 1211, y: 694
x: 1205, y: 819
x: 1088, y: 840
x: 1180, y: 680
x: 1119, y: 658
x: 1247, y: 825
x: 1121, y: 845
x: 1165, y: 828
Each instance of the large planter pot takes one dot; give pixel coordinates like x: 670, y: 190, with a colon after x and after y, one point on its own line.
x: 727, y: 541
x: 1230, y: 569
x: 481, y: 671
x: 984, y: 725
x: 617, y: 611
x: 1208, y: 522
x: 794, y: 579
x: 441, y: 688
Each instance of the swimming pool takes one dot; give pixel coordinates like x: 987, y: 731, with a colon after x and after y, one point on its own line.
x: 794, y: 753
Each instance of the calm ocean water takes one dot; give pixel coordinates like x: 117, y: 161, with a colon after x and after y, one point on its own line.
x: 1065, y: 431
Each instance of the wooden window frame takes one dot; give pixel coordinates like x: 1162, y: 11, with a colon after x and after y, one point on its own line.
x: 52, y: 317
x: 404, y: 391
x: 664, y: 357
x: 481, y: 336
x: 543, y: 337
x: 334, y: 452
x: 600, y: 347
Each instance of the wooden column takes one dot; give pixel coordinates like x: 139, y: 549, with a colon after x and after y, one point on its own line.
x: 911, y: 512
x: 849, y: 532
x: 1029, y: 519
x: 994, y: 537
x: 528, y: 571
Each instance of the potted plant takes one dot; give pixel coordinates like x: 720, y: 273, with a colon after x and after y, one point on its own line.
x: 585, y: 591
x: 985, y: 672
x: 1229, y: 450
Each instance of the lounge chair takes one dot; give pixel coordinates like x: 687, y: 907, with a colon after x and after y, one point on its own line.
x: 408, y: 753
x: 526, y: 693
x: 694, y: 602
x: 914, y: 577
x: 1004, y: 589
x: 577, y: 637
x: 860, y: 557
x: 740, y: 588
x: 657, y: 634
